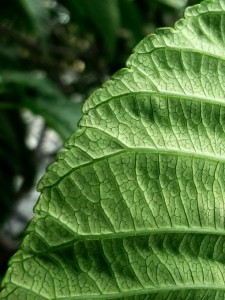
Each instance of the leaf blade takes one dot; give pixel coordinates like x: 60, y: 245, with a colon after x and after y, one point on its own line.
x: 134, y: 206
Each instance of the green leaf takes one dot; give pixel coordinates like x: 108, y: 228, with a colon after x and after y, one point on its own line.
x: 38, y: 17
x: 45, y: 100
x: 60, y: 115
x: 177, y: 4
x: 103, y: 15
x: 131, y: 19
x: 134, y: 206
x: 15, y: 160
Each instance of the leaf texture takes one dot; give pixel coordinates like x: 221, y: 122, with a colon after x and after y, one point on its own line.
x: 134, y: 206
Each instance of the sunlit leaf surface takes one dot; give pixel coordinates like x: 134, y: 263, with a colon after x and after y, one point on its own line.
x: 134, y: 207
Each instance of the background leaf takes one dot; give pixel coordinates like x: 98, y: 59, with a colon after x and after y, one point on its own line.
x: 42, y: 97
x: 106, y: 18
x: 175, y: 3
x: 15, y: 159
x: 38, y: 16
x: 34, y: 14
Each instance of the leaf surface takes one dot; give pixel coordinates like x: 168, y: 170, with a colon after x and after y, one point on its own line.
x: 134, y: 206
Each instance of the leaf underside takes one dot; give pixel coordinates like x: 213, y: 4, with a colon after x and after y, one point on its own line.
x: 134, y: 207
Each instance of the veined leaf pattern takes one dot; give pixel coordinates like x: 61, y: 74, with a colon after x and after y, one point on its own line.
x: 133, y: 208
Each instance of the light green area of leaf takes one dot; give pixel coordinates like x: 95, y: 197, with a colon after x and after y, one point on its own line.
x: 134, y: 206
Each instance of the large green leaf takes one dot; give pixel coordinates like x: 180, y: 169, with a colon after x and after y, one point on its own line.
x: 134, y: 206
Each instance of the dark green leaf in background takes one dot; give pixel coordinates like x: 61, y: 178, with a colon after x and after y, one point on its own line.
x: 103, y: 15
x: 15, y: 159
x: 131, y: 18
x: 42, y: 97
x: 177, y: 4
x: 38, y: 17
x: 30, y: 16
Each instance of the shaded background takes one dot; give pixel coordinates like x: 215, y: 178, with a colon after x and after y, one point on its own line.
x: 53, y: 54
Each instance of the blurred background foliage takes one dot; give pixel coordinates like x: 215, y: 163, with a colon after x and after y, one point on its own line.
x: 53, y: 54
